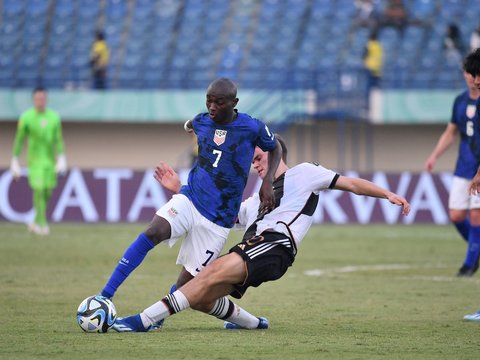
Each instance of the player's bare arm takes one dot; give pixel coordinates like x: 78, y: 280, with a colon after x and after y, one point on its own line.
x: 267, y: 196
x: 365, y: 187
x: 444, y: 142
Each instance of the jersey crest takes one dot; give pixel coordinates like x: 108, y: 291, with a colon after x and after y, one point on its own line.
x: 220, y: 136
x: 471, y: 109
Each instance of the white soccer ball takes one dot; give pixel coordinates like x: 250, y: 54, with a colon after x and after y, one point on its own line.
x: 96, y: 314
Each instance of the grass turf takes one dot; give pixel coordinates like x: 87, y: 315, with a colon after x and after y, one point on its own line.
x: 354, y: 292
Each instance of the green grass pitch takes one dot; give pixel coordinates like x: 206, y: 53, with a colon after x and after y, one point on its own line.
x: 354, y: 292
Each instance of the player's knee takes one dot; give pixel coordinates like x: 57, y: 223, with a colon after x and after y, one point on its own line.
x: 213, y: 273
x: 207, y: 279
x: 158, y: 230
x: 457, y: 216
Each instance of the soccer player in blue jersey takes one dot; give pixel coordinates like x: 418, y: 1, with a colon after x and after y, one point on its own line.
x: 268, y: 248
x: 206, y: 208
x: 472, y: 66
x: 464, y: 209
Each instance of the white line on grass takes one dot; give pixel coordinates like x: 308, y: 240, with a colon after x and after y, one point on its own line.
x: 358, y: 268
x: 441, y: 278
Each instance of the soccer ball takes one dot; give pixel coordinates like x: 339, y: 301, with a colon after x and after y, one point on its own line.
x: 96, y: 314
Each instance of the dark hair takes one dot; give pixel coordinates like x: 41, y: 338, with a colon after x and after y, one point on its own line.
x: 284, y: 147
x: 226, y: 86
x: 471, y: 64
x: 38, y: 89
x: 99, y: 35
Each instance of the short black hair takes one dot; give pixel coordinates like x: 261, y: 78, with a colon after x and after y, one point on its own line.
x: 38, y: 89
x: 471, y: 64
x: 99, y: 35
x: 283, y: 146
x: 225, y: 86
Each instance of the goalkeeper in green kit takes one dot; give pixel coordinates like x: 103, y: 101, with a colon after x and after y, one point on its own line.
x: 45, y: 155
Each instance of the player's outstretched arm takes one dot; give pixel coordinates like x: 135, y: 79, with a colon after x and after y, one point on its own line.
x: 364, y: 187
x: 167, y: 177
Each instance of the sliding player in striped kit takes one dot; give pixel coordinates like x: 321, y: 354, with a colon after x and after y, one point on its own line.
x: 268, y: 248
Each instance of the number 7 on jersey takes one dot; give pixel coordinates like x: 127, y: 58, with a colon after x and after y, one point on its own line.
x: 218, y: 153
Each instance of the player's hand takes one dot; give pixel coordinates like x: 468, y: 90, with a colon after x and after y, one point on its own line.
x: 15, y: 168
x: 429, y: 164
x: 474, y: 188
x: 267, y: 198
x: 400, y: 201
x: 167, y: 177
x: 61, y: 166
x: 188, y: 126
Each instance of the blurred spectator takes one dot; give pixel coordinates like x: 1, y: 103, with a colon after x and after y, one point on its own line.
x: 453, y: 45
x: 395, y: 15
x: 475, y: 39
x: 366, y: 14
x: 373, y: 61
x: 99, y: 57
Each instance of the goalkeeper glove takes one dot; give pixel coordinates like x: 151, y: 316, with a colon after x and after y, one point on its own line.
x: 61, y: 166
x: 15, y: 168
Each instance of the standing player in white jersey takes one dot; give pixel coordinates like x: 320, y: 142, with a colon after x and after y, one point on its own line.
x: 206, y: 208
x: 268, y: 248
x: 464, y: 209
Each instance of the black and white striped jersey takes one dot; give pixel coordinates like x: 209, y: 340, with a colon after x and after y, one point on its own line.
x: 296, y: 193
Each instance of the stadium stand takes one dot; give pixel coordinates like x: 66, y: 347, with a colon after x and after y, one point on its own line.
x: 168, y: 44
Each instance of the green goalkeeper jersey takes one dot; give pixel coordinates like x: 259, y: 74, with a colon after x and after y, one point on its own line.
x: 45, y: 142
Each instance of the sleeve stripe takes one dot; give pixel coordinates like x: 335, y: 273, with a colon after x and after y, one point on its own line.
x: 334, y: 181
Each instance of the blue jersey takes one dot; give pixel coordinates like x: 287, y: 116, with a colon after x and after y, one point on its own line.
x: 464, y: 116
x: 225, y: 152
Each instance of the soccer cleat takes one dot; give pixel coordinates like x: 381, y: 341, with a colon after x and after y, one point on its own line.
x: 134, y: 324
x: 466, y: 271
x: 263, y: 324
x: 36, y: 229
x: 473, y: 317
x: 45, y: 230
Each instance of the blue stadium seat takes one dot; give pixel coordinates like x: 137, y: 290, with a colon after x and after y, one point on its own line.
x: 116, y: 10
x: 13, y: 7
x: 37, y: 8
x: 423, y: 9
x: 64, y: 9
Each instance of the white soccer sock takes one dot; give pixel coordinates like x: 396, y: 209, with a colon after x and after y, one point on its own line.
x: 169, y: 305
x: 223, y: 310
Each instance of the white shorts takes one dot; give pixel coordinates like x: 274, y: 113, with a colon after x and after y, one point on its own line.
x: 459, y: 198
x: 204, y: 240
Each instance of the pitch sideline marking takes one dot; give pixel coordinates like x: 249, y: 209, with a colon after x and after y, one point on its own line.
x: 353, y: 268
x: 386, y: 267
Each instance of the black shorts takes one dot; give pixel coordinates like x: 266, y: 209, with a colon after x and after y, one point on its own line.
x: 267, y: 257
